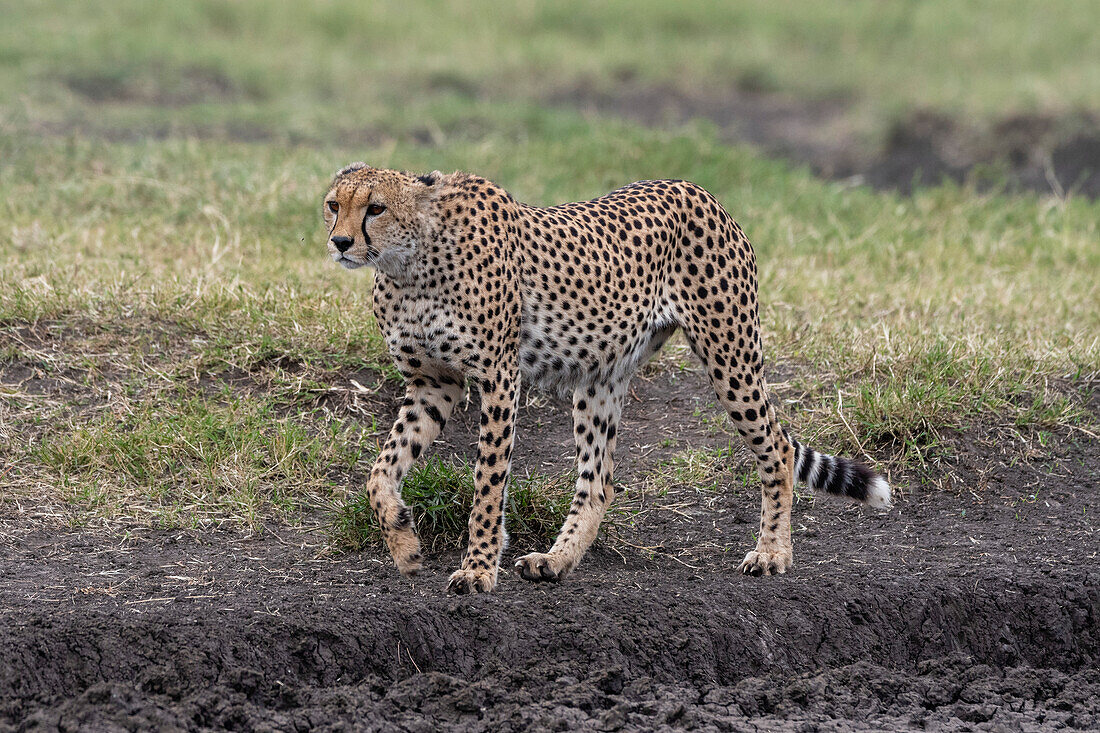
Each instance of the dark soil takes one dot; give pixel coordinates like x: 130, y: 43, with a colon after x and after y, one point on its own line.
x: 1038, y: 152
x: 972, y: 606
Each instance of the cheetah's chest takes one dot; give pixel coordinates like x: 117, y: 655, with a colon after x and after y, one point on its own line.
x: 422, y: 331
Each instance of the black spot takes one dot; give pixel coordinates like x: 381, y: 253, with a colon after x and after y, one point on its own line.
x: 433, y: 413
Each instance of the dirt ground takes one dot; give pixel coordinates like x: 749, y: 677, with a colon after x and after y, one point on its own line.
x: 974, y: 604
x: 1050, y: 154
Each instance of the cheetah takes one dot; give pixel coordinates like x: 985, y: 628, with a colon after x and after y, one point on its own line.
x: 473, y: 286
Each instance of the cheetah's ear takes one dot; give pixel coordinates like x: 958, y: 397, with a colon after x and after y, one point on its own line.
x: 351, y: 168
x: 430, y: 179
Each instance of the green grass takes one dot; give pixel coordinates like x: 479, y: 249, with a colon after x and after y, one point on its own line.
x: 176, y: 347
x: 188, y: 460
x: 901, y: 317
x: 440, y: 493
x: 700, y: 469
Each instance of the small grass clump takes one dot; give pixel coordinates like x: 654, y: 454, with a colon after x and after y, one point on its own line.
x: 440, y: 493
x: 702, y: 469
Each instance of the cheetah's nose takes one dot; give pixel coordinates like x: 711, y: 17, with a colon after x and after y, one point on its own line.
x: 342, y: 243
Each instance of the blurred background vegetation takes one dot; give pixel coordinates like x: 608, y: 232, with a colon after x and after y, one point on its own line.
x: 313, y: 70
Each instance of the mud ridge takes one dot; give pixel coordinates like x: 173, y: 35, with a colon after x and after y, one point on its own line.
x: 705, y: 634
x: 265, y: 630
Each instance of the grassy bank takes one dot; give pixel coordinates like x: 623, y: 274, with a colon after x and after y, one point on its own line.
x: 175, y: 347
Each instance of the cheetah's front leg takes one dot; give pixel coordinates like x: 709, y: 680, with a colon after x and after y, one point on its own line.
x: 429, y: 401
x: 499, y: 397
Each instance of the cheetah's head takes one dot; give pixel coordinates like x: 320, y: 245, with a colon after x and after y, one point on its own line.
x: 374, y: 216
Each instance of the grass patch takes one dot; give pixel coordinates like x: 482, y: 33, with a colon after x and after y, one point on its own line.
x: 186, y: 460
x: 440, y: 493
x: 704, y: 470
x: 940, y: 386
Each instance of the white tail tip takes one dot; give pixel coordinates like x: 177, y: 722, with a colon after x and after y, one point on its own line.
x: 878, y: 493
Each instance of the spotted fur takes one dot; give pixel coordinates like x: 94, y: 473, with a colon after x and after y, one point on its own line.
x: 474, y: 286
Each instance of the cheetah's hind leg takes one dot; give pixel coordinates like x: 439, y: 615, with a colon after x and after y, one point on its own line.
x: 741, y: 388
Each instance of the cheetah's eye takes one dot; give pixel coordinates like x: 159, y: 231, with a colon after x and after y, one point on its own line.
x: 375, y: 209
x: 333, y: 206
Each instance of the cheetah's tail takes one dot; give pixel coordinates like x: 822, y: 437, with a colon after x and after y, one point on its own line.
x: 838, y: 476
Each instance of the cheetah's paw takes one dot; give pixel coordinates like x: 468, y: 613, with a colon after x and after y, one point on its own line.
x: 405, y: 549
x: 471, y: 581
x: 541, y: 567
x: 758, y: 563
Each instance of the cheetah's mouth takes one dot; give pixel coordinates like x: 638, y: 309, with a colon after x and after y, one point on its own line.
x: 349, y: 262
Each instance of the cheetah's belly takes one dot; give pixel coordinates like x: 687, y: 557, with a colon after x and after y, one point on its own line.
x: 558, y: 354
